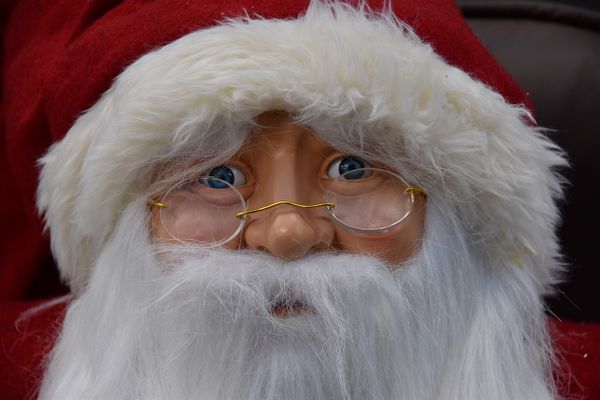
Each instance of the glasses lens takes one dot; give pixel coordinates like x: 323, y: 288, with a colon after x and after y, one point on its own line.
x: 202, y: 211
x: 369, y: 199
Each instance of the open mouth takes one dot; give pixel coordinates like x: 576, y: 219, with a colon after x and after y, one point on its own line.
x: 288, y: 308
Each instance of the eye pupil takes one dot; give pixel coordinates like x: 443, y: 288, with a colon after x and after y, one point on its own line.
x: 350, y: 163
x: 221, y: 172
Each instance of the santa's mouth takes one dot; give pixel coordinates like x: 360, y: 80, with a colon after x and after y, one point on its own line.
x: 289, y: 308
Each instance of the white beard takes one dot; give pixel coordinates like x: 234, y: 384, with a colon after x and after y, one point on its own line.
x: 196, y: 324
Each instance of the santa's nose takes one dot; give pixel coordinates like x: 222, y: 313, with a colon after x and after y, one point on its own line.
x: 288, y: 232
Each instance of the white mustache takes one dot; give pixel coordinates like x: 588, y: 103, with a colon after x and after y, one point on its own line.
x: 249, y: 284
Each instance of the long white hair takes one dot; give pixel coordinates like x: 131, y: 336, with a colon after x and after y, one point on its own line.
x: 182, y: 323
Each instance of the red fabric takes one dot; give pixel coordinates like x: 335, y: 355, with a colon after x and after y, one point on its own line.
x: 26, y: 340
x: 578, y: 351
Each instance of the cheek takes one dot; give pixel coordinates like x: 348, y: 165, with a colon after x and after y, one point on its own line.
x: 393, y: 247
x: 158, y: 233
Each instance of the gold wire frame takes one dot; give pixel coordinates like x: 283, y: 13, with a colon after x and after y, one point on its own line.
x: 329, y: 205
x: 414, y: 189
x: 410, y: 190
x: 157, y: 204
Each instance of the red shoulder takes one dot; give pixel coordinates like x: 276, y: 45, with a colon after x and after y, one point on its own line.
x: 28, y: 331
x: 577, y: 346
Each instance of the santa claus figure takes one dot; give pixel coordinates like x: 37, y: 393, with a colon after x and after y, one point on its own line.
x: 296, y: 201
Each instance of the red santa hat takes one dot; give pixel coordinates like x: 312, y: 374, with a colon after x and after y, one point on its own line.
x: 119, y: 86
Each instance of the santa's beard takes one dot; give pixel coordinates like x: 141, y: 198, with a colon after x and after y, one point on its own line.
x: 185, y: 323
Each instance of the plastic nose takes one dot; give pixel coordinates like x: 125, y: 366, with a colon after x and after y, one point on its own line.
x: 288, y: 233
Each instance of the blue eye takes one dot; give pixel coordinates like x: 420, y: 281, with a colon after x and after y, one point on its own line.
x: 228, y: 173
x: 344, y: 165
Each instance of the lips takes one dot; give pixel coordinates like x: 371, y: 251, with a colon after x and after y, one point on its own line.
x: 288, y: 307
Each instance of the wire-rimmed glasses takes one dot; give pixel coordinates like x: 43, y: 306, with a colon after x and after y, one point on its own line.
x: 209, y: 211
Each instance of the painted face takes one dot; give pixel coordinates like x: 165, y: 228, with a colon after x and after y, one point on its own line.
x: 286, y: 161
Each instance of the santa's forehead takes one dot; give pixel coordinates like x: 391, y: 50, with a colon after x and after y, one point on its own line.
x: 276, y: 132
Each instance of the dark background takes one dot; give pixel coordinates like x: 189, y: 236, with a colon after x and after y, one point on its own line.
x: 552, y: 48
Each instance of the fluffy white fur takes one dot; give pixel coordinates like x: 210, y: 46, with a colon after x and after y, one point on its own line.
x: 195, y: 324
x: 361, y: 81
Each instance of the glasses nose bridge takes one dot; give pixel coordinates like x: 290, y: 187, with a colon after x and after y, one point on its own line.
x: 285, y: 186
x: 327, y: 205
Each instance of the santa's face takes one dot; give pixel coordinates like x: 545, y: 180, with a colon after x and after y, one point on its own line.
x: 286, y: 161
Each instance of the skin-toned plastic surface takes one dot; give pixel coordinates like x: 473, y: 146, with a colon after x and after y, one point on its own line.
x: 286, y: 161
